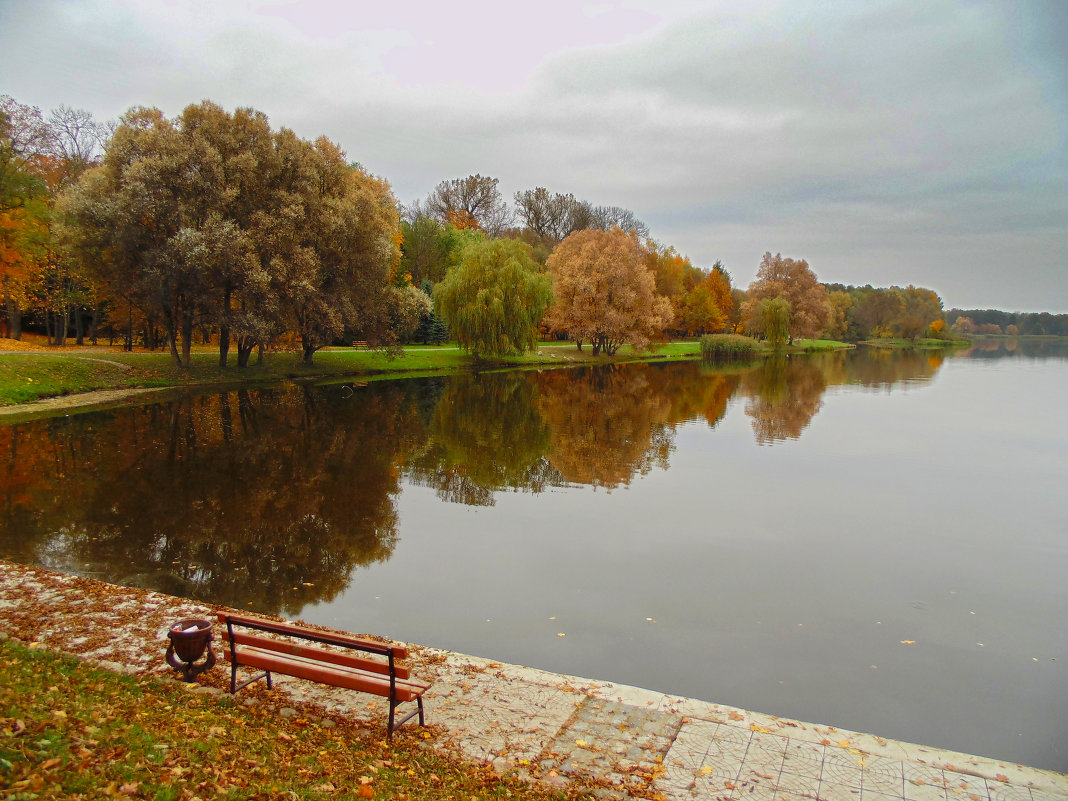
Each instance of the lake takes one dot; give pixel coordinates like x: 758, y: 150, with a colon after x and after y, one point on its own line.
x: 872, y: 540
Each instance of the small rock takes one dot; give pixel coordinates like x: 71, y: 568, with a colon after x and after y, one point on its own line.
x: 327, y: 723
x: 250, y: 702
x: 287, y: 712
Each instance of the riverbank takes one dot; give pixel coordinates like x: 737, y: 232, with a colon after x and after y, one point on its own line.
x: 561, y: 731
x: 30, y: 375
x: 38, y: 380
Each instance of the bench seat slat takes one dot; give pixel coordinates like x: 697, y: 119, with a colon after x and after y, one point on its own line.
x: 335, y: 675
x: 379, y: 665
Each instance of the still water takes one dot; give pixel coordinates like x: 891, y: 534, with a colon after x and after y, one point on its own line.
x: 876, y: 541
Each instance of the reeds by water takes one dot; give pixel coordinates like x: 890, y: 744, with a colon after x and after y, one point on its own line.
x: 729, y: 348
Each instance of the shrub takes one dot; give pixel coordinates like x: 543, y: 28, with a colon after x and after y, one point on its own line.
x: 729, y: 347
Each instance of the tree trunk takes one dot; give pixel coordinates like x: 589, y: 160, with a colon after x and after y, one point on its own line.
x: 224, y: 330
x: 128, y: 344
x: 309, y: 352
x: 48, y: 327
x: 79, y: 326
x: 61, y: 327
x: 94, y: 324
x: 14, y: 318
x: 187, y: 338
x: 172, y: 338
x: 259, y: 356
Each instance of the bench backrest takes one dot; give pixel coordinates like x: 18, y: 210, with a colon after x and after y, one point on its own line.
x: 381, y: 657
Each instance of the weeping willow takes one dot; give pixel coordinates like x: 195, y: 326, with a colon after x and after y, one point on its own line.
x: 494, y: 298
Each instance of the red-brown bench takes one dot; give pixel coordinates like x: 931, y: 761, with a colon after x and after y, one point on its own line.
x: 354, y: 664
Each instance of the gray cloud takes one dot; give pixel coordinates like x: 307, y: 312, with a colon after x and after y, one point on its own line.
x: 886, y: 141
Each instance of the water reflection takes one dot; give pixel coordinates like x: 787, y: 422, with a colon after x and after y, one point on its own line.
x: 265, y: 499
x: 268, y: 499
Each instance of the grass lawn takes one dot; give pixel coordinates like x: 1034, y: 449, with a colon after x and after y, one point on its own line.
x: 818, y: 345
x: 69, y: 731
x: 922, y: 343
x: 40, y: 373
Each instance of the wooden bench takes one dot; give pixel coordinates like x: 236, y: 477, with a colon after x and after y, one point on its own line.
x: 360, y: 343
x: 352, y: 663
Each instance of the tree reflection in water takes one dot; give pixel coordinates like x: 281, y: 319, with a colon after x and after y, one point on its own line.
x: 261, y: 498
x: 268, y: 499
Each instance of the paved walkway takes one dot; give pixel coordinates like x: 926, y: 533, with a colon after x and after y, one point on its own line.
x: 552, y: 727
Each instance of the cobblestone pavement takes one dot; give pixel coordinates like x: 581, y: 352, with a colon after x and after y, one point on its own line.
x: 549, y: 727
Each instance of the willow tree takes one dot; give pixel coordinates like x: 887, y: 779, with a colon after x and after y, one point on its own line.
x: 494, y: 298
x: 605, y: 292
x: 794, y: 281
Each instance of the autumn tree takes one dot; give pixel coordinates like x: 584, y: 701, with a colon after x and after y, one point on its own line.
x: 605, y: 292
x: 494, y: 298
x: 920, y: 308
x: 474, y: 201
x: 333, y: 247
x: 840, y: 302
x: 795, y: 282
x: 214, y: 219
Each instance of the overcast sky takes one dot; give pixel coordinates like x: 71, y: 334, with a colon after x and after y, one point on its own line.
x: 885, y: 141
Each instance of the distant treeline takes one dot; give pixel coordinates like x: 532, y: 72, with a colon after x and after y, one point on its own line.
x: 995, y: 321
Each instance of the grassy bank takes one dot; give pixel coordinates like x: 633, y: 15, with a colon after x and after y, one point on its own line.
x: 29, y: 375
x: 71, y: 731
x: 919, y: 344
x: 33, y: 374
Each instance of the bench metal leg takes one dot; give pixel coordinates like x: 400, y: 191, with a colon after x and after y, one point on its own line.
x: 392, y: 727
x: 234, y: 686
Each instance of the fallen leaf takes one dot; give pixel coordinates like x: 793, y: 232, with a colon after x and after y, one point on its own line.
x: 1001, y: 777
x: 735, y: 716
x: 760, y: 729
x: 844, y: 743
x: 366, y: 791
x: 908, y: 642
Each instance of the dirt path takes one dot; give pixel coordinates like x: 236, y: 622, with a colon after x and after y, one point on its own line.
x: 78, y: 400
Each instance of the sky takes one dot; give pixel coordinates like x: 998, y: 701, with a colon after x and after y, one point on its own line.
x: 885, y: 141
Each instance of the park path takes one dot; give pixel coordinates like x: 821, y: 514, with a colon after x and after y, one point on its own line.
x: 546, y: 726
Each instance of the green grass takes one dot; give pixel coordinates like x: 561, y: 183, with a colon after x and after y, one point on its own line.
x: 29, y: 375
x: 68, y: 731
x: 821, y: 345
x: 918, y: 344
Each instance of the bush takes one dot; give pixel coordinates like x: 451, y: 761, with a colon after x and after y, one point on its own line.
x: 729, y: 348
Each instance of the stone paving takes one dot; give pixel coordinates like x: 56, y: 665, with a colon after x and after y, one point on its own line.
x: 553, y: 728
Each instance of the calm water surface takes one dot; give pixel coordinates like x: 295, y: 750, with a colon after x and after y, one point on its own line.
x: 763, y: 537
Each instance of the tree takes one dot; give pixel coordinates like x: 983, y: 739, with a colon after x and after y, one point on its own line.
x: 797, y: 284
x: 474, y: 201
x: 333, y: 245
x: 874, y: 311
x: 921, y: 307
x: 605, y: 292
x: 774, y: 314
x: 840, y: 303
x: 494, y: 298
x: 551, y: 217
x: 431, y: 329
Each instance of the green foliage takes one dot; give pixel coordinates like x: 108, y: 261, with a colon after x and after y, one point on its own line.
x: 494, y: 298
x: 729, y: 348
x: 774, y: 314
